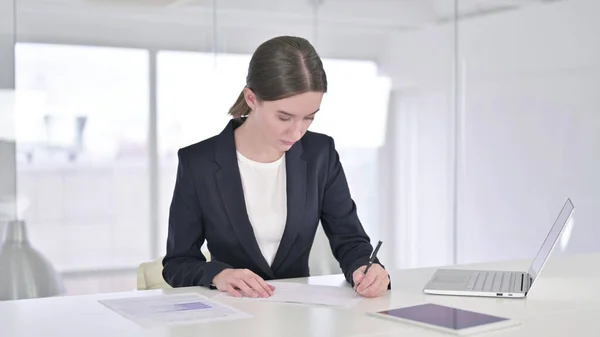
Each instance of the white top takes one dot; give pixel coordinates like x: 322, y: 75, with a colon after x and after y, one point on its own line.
x: 264, y: 187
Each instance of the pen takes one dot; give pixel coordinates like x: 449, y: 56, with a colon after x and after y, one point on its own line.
x: 371, y: 261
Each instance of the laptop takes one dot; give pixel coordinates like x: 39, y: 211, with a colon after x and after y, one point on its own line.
x: 489, y: 283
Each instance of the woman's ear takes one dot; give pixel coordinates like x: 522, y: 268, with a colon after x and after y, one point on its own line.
x: 250, y: 98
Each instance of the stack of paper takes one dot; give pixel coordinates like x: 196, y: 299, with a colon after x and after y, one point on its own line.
x: 308, y: 294
x: 186, y: 308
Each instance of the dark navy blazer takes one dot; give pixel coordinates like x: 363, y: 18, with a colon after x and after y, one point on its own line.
x: 208, y: 204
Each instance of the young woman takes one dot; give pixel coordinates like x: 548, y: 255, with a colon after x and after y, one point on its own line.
x: 257, y: 191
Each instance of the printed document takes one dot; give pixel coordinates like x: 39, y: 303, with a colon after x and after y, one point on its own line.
x: 167, y: 309
x: 288, y: 292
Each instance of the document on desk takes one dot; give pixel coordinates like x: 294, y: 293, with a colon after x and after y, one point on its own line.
x: 170, y: 309
x: 288, y: 292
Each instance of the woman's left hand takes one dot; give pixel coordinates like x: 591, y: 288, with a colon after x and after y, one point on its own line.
x: 374, y: 283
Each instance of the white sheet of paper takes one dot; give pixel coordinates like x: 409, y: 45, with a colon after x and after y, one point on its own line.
x: 289, y: 292
x: 168, y: 309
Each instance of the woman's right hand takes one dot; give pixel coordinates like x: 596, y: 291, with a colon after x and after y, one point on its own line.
x: 240, y: 282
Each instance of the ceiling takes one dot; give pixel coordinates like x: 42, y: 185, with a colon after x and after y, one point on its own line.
x: 386, y: 14
x: 346, y: 28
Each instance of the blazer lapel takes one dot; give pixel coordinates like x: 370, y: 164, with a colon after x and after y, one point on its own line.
x: 232, y: 194
x: 296, y: 200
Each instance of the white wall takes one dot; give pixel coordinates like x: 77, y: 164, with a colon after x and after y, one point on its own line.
x: 422, y: 181
x: 420, y: 64
x: 7, y: 40
x: 7, y: 82
x: 528, y: 131
x: 531, y: 129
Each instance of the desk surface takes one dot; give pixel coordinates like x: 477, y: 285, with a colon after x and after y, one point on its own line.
x: 563, y: 302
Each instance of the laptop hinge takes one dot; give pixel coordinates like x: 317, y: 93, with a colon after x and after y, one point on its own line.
x: 528, y: 281
x: 522, y: 279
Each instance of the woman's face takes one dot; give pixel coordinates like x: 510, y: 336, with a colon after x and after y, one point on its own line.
x: 283, y: 122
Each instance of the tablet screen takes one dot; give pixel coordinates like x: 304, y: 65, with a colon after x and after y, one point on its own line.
x: 442, y: 316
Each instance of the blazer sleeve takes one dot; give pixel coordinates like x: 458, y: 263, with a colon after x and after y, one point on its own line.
x: 349, y: 242
x: 184, y: 264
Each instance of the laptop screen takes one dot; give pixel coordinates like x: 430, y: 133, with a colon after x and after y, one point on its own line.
x: 563, y: 218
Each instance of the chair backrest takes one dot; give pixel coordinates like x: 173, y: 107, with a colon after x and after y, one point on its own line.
x: 149, y: 274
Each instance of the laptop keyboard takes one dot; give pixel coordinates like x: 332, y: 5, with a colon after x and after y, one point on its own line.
x: 493, y: 281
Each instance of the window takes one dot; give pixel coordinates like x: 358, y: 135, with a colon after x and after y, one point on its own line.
x: 82, y: 153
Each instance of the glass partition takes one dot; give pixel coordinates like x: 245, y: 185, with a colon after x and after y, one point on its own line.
x: 459, y: 126
x: 26, y: 272
x: 8, y: 201
x: 530, y: 121
x: 8, y: 210
x: 82, y: 153
x: 115, y: 88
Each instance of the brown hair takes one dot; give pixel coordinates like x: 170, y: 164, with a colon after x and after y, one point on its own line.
x: 281, y: 67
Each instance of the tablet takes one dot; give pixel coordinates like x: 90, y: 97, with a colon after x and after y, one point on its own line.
x: 447, y: 319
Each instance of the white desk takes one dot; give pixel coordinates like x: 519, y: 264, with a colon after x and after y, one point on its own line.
x: 565, y: 301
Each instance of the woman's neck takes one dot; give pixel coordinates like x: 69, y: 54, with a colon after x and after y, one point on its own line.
x: 253, y: 146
